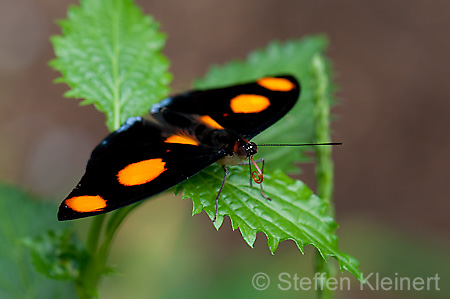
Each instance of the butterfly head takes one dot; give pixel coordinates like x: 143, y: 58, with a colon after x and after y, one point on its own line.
x: 245, y: 149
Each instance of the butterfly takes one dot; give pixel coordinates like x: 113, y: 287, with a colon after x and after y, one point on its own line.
x: 182, y: 135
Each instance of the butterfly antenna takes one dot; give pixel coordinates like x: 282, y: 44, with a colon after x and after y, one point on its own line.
x: 299, y: 144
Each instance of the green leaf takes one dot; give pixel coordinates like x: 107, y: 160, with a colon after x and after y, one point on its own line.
x: 23, y: 217
x: 292, y: 57
x: 110, y: 56
x: 294, y: 212
x: 57, y: 255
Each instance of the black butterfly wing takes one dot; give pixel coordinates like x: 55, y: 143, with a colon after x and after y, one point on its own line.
x: 245, y: 109
x: 143, y: 158
x: 134, y: 163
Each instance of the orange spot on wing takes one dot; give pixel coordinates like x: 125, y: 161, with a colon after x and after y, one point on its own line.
x: 276, y: 84
x: 181, y: 139
x: 86, y: 203
x: 141, y: 172
x: 249, y: 103
x: 210, y: 122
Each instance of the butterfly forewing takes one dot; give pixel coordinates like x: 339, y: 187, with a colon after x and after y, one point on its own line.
x: 123, y: 169
x: 245, y: 109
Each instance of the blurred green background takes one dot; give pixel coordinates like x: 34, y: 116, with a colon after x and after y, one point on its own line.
x: 392, y: 195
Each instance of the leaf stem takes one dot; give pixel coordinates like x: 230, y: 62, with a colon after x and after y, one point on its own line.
x: 324, y: 164
x: 115, y: 64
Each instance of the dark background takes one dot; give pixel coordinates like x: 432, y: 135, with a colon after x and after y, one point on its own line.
x: 392, y: 66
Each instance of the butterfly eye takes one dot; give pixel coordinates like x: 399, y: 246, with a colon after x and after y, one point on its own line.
x: 251, y: 149
x: 245, y: 149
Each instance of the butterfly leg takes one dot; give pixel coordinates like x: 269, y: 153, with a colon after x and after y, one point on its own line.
x: 249, y: 169
x: 250, y: 172
x: 220, y: 190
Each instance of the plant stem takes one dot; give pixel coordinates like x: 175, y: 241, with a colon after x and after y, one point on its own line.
x: 113, y: 224
x: 94, y: 233
x: 324, y: 163
x: 90, y: 270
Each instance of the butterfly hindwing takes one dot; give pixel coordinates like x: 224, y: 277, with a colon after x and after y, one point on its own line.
x: 134, y: 163
x: 245, y: 109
